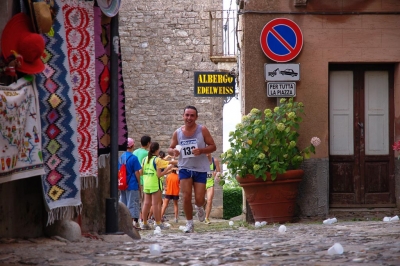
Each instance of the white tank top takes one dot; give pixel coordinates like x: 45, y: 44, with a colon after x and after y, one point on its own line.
x: 186, y: 159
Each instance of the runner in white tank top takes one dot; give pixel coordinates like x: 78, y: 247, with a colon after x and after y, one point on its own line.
x: 191, y: 143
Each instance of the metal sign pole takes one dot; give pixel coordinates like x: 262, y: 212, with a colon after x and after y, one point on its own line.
x: 112, y: 202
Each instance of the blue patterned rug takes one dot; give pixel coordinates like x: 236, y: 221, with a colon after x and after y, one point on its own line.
x: 61, y: 183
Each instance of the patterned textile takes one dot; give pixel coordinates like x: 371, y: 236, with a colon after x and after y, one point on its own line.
x: 20, y: 132
x: 102, y: 64
x: 61, y: 182
x: 79, y: 30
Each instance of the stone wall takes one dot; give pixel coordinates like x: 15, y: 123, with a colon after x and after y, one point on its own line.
x: 162, y: 44
x: 313, y: 194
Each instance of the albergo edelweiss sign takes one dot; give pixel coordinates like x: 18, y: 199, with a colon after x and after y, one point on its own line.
x: 214, y: 84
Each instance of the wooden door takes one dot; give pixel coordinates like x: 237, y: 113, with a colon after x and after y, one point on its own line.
x: 361, y: 163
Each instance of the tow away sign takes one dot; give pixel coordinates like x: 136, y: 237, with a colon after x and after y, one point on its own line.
x: 282, y: 72
x: 281, y: 89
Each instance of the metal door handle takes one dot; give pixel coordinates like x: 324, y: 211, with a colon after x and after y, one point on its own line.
x: 361, y: 125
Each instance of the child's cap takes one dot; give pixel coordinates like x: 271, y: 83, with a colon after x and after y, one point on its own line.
x: 131, y: 142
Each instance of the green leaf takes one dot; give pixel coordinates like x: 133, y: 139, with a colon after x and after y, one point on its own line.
x: 312, y: 149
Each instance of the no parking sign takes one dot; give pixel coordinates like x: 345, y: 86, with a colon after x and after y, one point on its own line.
x: 281, y: 40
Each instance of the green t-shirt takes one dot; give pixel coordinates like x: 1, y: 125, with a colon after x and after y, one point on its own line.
x: 140, y: 153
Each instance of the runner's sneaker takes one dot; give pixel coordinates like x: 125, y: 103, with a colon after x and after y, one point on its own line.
x: 207, y: 221
x: 189, y: 228
x: 145, y: 227
x: 176, y: 220
x: 201, y: 214
x: 163, y: 226
x: 136, y: 225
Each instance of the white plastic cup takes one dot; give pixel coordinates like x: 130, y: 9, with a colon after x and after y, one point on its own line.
x: 182, y: 228
x: 155, y: 249
x: 333, y: 220
x: 263, y: 223
x: 394, y: 218
x: 282, y: 229
x: 178, y: 147
x: 230, y: 223
x: 335, y: 249
x: 327, y: 221
x: 387, y: 219
x: 257, y: 224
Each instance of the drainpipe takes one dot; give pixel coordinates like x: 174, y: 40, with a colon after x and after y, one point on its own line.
x: 112, y: 202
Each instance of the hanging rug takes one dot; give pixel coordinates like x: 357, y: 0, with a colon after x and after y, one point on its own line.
x: 61, y: 182
x: 79, y: 39
x: 102, y: 69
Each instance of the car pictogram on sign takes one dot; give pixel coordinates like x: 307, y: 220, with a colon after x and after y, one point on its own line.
x: 288, y: 72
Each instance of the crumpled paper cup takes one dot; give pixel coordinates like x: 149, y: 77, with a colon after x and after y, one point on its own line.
x: 155, y: 249
x: 282, y: 229
x: 335, y: 249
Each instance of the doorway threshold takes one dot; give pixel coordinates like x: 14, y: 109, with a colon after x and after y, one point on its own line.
x: 363, y: 214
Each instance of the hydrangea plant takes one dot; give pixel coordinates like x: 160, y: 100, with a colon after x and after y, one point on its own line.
x: 268, y: 142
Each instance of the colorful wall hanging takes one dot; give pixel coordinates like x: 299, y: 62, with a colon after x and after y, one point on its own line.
x: 20, y: 132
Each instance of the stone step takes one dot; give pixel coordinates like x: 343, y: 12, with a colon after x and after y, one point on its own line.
x: 363, y: 214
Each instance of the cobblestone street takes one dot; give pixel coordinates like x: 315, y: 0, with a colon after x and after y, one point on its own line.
x: 366, y: 243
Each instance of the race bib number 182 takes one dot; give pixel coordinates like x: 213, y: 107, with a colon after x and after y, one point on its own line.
x: 187, y: 147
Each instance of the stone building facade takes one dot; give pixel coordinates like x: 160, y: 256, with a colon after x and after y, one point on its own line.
x: 163, y: 43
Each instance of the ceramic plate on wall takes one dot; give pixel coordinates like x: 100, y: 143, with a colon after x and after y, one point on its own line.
x: 109, y: 7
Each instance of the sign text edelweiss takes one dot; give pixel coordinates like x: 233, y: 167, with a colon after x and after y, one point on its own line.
x: 214, y: 84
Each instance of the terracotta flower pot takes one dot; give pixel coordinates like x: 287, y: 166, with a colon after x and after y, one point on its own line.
x: 272, y: 201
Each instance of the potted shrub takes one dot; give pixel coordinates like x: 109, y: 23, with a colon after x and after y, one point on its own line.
x: 264, y: 153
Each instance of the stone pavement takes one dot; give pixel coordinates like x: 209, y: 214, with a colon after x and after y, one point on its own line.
x: 305, y: 243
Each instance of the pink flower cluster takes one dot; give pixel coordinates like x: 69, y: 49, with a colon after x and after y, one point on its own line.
x: 396, y: 146
x: 315, y: 141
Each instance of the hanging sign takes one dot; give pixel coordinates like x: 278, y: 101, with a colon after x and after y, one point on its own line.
x: 214, y: 84
x: 281, y: 40
x: 281, y: 89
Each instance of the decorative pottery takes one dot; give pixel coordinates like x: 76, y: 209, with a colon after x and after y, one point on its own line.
x: 109, y: 7
x: 272, y: 201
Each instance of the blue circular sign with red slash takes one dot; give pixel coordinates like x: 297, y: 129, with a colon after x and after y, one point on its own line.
x: 281, y: 40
